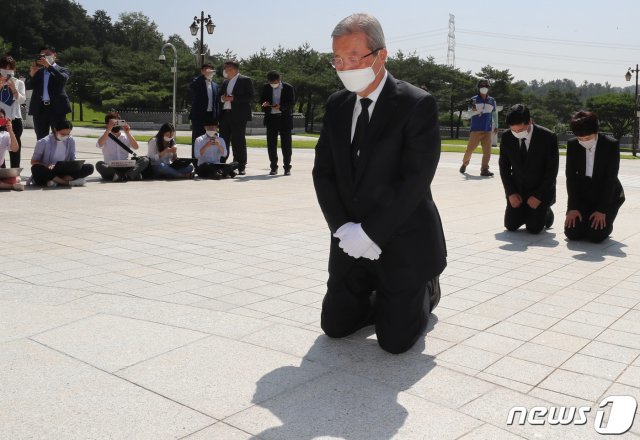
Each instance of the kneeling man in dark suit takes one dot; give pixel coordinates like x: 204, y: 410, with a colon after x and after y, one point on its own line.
x: 528, y: 169
x: 375, y: 160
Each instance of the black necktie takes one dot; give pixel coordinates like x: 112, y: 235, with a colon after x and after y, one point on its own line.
x: 523, y: 150
x: 361, y: 131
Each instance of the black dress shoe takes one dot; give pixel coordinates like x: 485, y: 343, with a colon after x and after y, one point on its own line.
x: 273, y: 172
x: 241, y: 172
x: 486, y: 173
x: 433, y: 287
x: 287, y: 173
x: 548, y: 221
x: 463, y: 168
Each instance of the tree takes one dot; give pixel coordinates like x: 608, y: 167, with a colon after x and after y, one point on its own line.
x: 101, y: 27
x: 137, y: 32
x: 615, y: 112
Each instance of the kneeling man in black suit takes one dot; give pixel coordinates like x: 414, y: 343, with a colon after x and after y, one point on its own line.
x: 528, y: 169
x: 375, y: 160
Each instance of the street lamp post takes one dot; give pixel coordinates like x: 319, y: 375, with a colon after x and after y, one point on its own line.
x: 635, y: 109
x: 174, y: 69
x: 201, y: 23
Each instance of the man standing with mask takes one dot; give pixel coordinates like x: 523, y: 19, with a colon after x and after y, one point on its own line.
x: 375, y: 159
x: 236, y: 94
x: 528, y: 169
x: 484, y: 122
x: 278, y: 99
x: 49, y: 101
x: 204, y: 102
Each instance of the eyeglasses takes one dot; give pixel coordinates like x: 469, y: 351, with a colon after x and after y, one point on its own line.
x: 338, y: 62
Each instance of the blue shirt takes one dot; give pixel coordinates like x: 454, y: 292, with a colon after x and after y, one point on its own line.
x: 485, y: 108
x: 212, y: 155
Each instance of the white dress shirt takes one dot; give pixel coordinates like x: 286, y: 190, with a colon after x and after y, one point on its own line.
x: 230, y: 86
x: 373, y: 96
x: 590, y: 156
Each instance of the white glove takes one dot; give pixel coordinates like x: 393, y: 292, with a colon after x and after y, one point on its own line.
x: 356, y: 243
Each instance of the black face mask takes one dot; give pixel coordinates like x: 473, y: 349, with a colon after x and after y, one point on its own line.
x: 115, y: 129
x: 3, y: 128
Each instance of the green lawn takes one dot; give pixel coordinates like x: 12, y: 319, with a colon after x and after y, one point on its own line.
x: 90, y: 117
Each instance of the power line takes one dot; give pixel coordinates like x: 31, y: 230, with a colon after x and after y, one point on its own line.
x: 555, y: 41
x: 544, y: 55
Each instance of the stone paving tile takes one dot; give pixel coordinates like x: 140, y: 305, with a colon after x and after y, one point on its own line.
x: 573, y: 384
x: 520, y: 370
x: 541, y: 354
x: 55, y: 397
x: 594, y: 366
x: 356, y: 408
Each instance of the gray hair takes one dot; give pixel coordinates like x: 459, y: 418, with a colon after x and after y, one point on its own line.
x: 365, y: 23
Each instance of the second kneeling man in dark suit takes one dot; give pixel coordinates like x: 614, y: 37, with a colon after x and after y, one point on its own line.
x: 528, y: 169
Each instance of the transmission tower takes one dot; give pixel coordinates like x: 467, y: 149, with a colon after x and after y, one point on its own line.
x: 451, y: 41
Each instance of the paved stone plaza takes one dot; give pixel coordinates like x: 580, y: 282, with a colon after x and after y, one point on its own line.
x: 190, y: 309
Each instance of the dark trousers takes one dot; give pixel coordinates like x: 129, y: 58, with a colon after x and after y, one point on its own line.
x: 14, y: 158
x: 583, y: 229
x: 42, y: 174
x: 534, y: 219
x: 233, y: 132
x: 400, y: 315
x: 107, y: 172
x: 275, y: 127
x: 217, y: 171
x: 44, y: 121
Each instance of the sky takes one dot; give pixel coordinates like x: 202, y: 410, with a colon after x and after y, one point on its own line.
x: 587, y: 40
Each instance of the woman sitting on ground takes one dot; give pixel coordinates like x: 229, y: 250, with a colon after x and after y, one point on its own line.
x: 162, y: 152
x: 55, y: 147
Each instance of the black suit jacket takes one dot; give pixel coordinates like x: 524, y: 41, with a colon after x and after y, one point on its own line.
x: 535, y: 177
x: 287, y: 102
x: 242, y: 97
x: 390, y: 192
x: 57, y: 94
x: 200, y: 99
x: 603, y: 192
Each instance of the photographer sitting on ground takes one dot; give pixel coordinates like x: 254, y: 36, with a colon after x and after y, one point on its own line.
x: 208, y: 149
x: 110, y: 144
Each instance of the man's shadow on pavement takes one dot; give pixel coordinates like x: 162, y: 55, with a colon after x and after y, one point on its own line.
x: 597, y: 251
x: 521, y: 240
x: 355, y: 399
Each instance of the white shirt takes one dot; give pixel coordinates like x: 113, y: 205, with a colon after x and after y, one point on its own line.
x: 13, y: 111
x: 590, y: 158
x: 373, y: 96
x: 210, y: 96
x: 112, y: 151
x: 230, y: 86
x: 154, y: 154
x: 61, y: 151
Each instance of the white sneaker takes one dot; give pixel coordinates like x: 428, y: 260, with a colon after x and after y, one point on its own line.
x: 17, y: 187
x: 51, y: 184
x: 77, y: 182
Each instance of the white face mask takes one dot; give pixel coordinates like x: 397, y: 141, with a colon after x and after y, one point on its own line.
x: 50, y: 59
x: 275, y: 86
x: 212, y: 133
x: 357, y: 80
x: 6, y: 73
x: 209, y: 74
x: 225, y: 75
x: 589, y: 144
x: 168, y: 139
x: 63, y: 138
x: 484, y: 90
x: 521, y: 134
